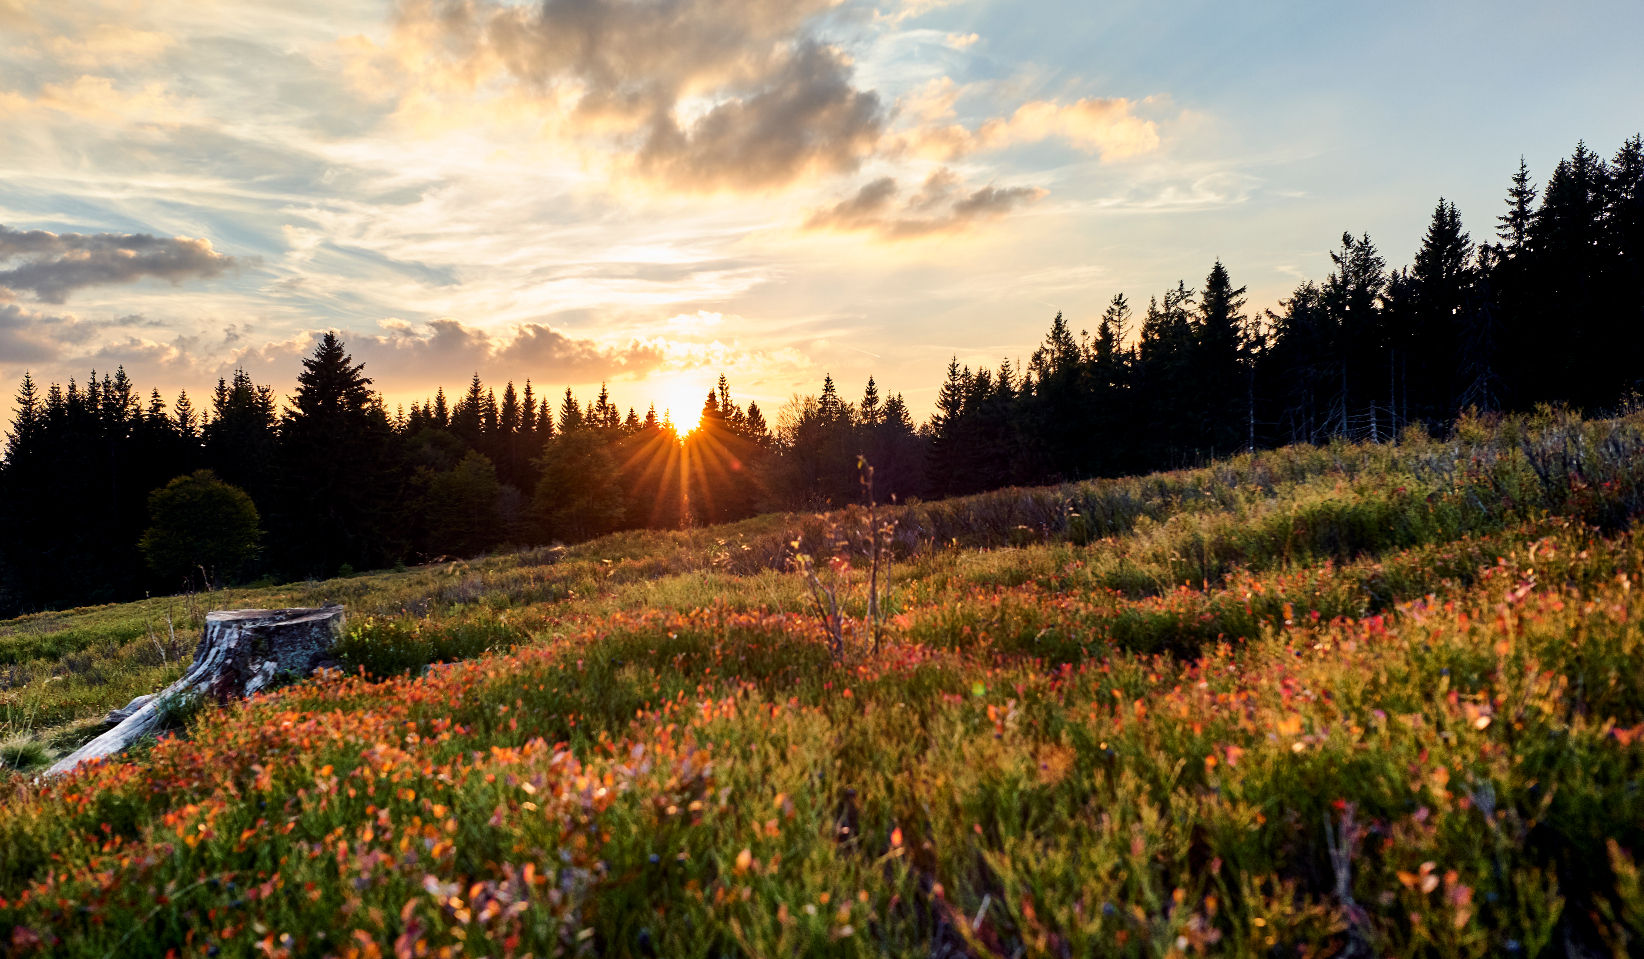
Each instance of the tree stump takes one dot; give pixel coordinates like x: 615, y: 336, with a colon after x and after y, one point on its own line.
x: 242, y: 652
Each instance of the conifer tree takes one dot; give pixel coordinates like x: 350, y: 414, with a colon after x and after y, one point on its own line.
x: 947, y: 452
x: 1514, y: 227
x: 570, y: 413
x: 1442, y: 276
x: 869, y: 413
x: 1351, y: 300
x: 337, y: 469
x: 490, y: 416
x: 1218, y: 365
x: 441, y: 418
x: 468, y: 417
x: 240, y: 439
x: 528, y: 411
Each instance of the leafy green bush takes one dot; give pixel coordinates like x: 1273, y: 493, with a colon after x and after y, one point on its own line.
x: 202, y: 526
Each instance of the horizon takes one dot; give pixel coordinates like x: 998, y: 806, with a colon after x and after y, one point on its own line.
x: 771, y: 190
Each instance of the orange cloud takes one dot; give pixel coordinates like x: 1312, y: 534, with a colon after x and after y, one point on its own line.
x: 1106, y: 126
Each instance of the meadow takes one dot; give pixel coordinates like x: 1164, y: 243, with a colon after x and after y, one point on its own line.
x: 1363, y: 700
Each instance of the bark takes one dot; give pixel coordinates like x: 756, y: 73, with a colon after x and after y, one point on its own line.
x: 243, y: 651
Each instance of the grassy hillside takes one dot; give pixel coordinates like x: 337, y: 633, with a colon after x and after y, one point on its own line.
x: 1358, y: 700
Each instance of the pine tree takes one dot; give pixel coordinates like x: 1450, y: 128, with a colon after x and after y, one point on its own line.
x: 757, y: 429
x: 832, y: 408
x: 1110, y: 338
x: 1442, y: 276
x: 1218, y: 364
x: 337, y: 469
x: 603, y: 413
x: 27, y: 420
x: 442, y: 415
x: 508, y: 416
x: 1565, y: 275
x: 1515, y: 223
x: 1351, y: 299
x: 528, y: 411
x: 869, y: 413
x: 468, y: 417
x: 947, y: 452
x: 570, y: 414
x: 545, y: 423
x: 240, y: 439
x: 1301, y: 360
x: 1164, y: 372
x: 490, y: 417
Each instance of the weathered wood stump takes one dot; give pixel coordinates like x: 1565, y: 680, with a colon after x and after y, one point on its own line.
x: 243, y: 651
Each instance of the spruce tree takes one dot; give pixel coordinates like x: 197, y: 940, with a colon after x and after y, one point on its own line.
x: 570, y: 414
x: 1218, y: 364
x: 337, y: 469
x: 1351, y: 299
x: 1514, y: 226
x: 1442, y: 276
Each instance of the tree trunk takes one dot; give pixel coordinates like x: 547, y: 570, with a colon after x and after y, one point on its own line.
x: 242, y: 652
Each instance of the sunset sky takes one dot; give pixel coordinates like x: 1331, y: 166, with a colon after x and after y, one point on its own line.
x: 652, y: 193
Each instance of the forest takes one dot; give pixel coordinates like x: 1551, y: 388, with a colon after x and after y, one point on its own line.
x: 107, y: 494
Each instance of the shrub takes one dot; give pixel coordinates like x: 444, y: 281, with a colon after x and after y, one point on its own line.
x: 22, y: 756
x: 202, y: 527
x: 392, y: 647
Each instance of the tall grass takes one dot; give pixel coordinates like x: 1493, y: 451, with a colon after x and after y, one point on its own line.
x: 1373, y: 700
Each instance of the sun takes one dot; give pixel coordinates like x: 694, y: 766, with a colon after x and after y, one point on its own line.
x: 682, y: 400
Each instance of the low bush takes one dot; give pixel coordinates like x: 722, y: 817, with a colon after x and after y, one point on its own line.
x: 22, y: 756
x: 393, y: 647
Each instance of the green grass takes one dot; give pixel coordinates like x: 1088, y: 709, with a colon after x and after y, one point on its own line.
x: 1373, y: 698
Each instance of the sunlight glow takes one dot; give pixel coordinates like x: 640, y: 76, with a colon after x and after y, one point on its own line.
x: 682, y: 400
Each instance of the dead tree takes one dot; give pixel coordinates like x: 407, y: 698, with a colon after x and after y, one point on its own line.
x: 243, y: 651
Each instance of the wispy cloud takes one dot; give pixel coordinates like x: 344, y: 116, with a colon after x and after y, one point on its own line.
x: 941, y: 206
x: 1108, y: 127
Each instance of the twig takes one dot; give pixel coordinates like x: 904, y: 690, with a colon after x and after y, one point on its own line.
x: 148, y: 622
x: 1341, y: 861
x: 987, y: 898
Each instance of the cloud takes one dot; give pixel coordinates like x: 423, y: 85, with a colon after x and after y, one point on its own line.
x: 805, y: 119
x: 408, y: 362
x: 1106, y: 126
x: 416, y: 357
x: 700, y: 320
x: 909, y: 9
x: 29, y: 337
x: 53, y: 265
x: 696, y: 95
x: 107, y: 44
x: 941, y: 206
x: 96, y: 98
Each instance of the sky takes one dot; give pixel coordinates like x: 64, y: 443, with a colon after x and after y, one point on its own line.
x: 651, y: 193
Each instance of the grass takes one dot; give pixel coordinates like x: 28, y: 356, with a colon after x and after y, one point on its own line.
x: 1374, y: 700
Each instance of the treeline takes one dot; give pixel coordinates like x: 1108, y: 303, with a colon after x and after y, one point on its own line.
x: 1552, y: 310
x: 339, y: 483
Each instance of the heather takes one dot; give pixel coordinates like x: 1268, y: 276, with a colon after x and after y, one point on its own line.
x: 1358, y: 699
